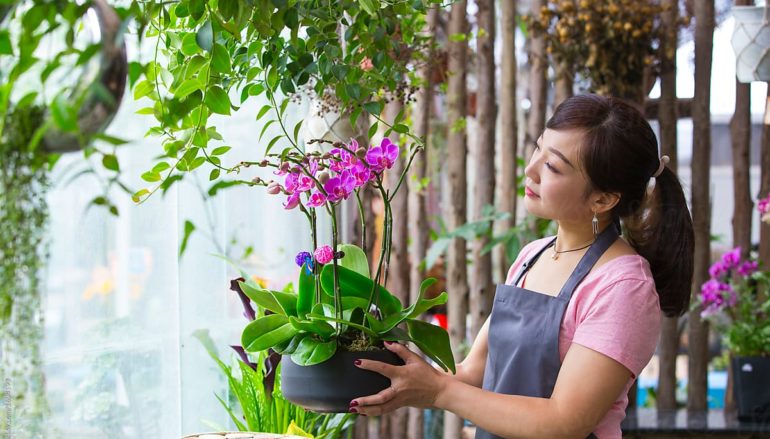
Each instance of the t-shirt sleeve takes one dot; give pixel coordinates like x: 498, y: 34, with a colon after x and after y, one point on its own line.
x: 621, y: 321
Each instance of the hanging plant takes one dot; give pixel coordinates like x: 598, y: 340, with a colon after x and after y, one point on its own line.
x: 23, y: 220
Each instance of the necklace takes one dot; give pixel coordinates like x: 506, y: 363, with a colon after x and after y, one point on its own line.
x: 556, y: 253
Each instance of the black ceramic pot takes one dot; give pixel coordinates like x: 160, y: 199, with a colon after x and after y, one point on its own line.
x: 752, y: 388
x: 329, y: 387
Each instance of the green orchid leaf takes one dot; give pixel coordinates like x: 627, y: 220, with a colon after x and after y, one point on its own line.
x: 368, y: 331
x: 318, y: 327
x: 433, y: 341
x: 354, y: 259
x: 395, y: 334
x: 275, y: 301
x: 261, y: 297
x: 306, y: 294
x: 266, y: 332
x: 311, y: 351
x: 289, y: 346
x: 414, y: 310
x: 353, y: 284
x: 354, y: 302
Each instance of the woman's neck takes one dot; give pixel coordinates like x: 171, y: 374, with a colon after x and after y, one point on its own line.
x: 575, y: 235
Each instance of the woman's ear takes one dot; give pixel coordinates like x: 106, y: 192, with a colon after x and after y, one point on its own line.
x: 604, y: 201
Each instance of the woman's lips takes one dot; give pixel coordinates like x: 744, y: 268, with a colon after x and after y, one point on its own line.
x: 528, y: 192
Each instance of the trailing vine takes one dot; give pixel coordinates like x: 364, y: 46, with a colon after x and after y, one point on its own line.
x: 23, y: 222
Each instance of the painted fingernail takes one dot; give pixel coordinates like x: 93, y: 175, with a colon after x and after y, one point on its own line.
x: 388, y: 343
x: 357, y: 362
x: 353, y: 403
x: 352, y: 410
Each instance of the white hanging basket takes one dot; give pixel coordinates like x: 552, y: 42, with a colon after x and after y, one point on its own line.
x: 751, y: 43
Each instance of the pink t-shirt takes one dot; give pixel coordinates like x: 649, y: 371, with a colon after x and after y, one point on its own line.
x: 613, y: 311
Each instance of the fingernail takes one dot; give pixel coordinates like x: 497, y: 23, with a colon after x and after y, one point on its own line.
x: 357, y: 362
x: 353, y: 403
x: 388, y: 343
x: 352, y: 410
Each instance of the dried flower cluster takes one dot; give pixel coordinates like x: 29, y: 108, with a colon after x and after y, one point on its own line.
x: 609, y: 44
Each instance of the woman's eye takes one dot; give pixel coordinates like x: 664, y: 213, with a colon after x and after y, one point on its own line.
x: 550, y: 167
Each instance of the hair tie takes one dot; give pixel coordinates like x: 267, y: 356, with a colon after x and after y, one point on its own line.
x: 651, y: 184
x: 663, y: 162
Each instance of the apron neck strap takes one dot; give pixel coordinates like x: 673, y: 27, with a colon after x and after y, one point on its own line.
x: 597, y: 249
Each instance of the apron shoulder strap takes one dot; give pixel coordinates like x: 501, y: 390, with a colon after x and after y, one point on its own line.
x: 597, y: 249
x: 529, y: 263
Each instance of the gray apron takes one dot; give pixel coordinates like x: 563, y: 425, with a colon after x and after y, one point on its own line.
x: 523, y: 341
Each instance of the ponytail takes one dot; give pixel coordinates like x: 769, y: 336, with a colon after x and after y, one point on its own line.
x: 661, y: 231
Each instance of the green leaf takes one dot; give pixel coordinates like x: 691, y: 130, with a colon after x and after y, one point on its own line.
x: 189, y: 45
x: 63, y: 114
x: 189, y: 227
x: 289, y: 346
x: 151, y: 177
x: 401, y: 128
x: 266, y: 332
x: 221, y: 150
x: 272, y: 142
x: 220, y: 60
x: 306, y: 293
x: 143, y: 89
x: 296, y: 130
x: 370, y: 6
x: 354, y: 259
x: 137, y: 196
x: 373, y: 107
x: 261, y: 297
x: 311, y: 351
x: 217, y: 100
x: 187, y: 87
x: 5, y: 43
x: 262, y: 111
x: 205, y: 36
x: 433, y: 341
x: 353, y: 284
x: 214, y: 174
x: 112, y: 140
x: 318, y: 327
x: 109, y: 161
x: 373, y: 129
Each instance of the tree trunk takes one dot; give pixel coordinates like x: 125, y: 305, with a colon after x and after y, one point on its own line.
x: 740, y: 133
x: 455, y: 198
x: 565, y: 80
x: 417, y: 211
x: 538, y: 65
x: 764, y: 185
x: 509, y: 129
x: 701, y: 209
x: 394, y: 424
x: 482, y: 287
x: 668, y: 117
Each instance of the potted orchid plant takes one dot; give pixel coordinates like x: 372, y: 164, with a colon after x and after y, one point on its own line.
x: 340, y: 311
x: 736, y: 300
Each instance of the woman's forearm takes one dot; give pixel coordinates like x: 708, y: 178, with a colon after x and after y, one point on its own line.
x: 508, y: 416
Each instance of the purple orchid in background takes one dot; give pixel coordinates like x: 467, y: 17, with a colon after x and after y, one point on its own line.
x: 748, y: 268
x: 361, y: 173
x: 715, y: 295
x: 316, y: 199
x: 382, y: 157
x: 291, y: 182
x: 306, y: 182
x: 340, y: 186
x: 732, y: 258
x: 292, y: 201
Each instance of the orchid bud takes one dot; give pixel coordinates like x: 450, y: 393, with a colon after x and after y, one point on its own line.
x: 256, y: 180
x: 361, y: 152
x: 273, y: 188
x: 263, y: 163
x: 323, y: 177
x: 285, y: 166
x: 326, y: 156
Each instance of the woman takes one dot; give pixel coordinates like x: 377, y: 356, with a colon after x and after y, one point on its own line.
x: 579, y: 315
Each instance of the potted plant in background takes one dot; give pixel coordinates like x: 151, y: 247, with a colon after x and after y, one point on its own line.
x: 736, y: 300
x: 339, y: 311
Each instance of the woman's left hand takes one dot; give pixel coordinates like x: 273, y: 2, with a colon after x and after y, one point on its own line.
x: 415, y: 384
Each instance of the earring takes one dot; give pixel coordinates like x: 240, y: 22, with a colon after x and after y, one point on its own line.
x: 595, y: 225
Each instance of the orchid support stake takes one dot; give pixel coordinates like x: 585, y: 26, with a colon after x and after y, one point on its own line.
x: 337, y: 295
x: 363, y: 220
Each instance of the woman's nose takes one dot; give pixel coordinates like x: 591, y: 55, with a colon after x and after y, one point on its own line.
x: 531, y: 170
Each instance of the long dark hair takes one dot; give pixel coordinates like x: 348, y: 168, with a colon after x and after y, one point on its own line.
x: 619, y: 154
